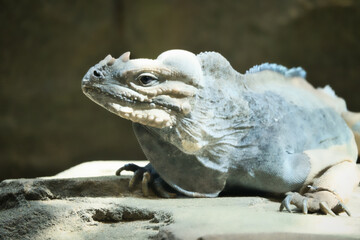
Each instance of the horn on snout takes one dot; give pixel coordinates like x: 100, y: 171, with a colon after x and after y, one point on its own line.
x: 125, y: 57
x: 109, y: 60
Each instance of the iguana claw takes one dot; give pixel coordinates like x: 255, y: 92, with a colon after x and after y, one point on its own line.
x: 305, y: 207
x: 145, y: 182
x: 341, y: 207
x: 321, y: 201
x: 138, y: 173
x: 325, y: 209
x: 286, y: 203
x: 147, y: 176
x: 345, y: 209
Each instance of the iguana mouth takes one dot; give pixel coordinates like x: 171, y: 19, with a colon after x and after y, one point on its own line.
x: 131, y: 105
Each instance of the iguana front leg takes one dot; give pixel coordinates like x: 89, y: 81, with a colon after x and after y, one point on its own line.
x: 148, y: 177
x: 328, y: 193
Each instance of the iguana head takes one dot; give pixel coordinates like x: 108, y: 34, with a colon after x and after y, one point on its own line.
x: 149, y: 92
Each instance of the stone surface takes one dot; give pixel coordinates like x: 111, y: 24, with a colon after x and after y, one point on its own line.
x: 95, y: 169
x: 102, y: 208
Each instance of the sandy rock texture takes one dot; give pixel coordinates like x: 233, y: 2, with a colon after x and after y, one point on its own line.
x: 102, y: 207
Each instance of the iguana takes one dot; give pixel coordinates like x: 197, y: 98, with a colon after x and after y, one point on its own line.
x: 206, y: 128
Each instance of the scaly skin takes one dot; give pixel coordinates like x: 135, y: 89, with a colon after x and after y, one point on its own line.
x: 204, y: 127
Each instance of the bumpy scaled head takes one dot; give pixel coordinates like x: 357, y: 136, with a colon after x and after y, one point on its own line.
x: 149, y: 92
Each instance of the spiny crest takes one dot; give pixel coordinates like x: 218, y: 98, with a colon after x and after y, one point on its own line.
x: 213, y: 59
x: 292, y: 72
x: 215, y: 66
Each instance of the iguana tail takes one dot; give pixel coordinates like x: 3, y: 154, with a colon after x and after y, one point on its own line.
x: 351, y: 118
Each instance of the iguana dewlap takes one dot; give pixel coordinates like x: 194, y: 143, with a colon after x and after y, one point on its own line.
x: 204, y: 126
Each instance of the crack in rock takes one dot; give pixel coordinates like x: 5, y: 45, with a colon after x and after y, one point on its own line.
x: 124, y: 214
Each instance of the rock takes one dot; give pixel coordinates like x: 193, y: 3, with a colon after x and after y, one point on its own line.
x: 91, y: 207
x: 95, y: 169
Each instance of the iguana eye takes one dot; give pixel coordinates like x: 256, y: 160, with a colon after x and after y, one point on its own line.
x: 146, y: 79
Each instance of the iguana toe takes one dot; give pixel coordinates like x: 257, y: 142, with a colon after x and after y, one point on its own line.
x: 160, y: 189
x: 137, y: 178
x: 321, y: 201
x: 286, y: 202
x: 305, y: 207
x: 341, y: 207
x: 138, y: 173
x: 127, y: 167
x: 326, y: 209
x: 148, y: 177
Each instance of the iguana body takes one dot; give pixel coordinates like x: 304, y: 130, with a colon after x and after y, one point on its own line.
x: 205, y: 127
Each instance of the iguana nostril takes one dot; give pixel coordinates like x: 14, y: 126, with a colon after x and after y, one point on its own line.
x: 97, y: 73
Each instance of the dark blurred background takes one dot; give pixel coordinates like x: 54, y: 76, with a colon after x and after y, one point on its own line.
x: 48, y: 125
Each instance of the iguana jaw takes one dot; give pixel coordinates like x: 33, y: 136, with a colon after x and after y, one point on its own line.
x: 131, y: 105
